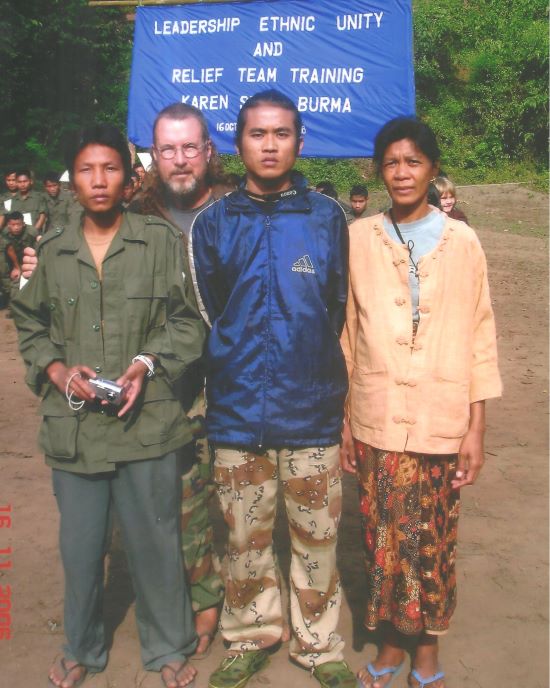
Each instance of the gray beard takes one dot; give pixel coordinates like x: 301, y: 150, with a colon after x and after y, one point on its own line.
x: 182, y: 190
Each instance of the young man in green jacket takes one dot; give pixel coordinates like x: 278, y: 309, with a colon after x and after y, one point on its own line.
x: 29, y: 202
x: 13, y: 240
x: 111, y: 297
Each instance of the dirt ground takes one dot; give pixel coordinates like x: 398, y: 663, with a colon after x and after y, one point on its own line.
x: 499, y: 637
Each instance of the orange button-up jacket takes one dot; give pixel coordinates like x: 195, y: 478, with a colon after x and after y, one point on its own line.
x: 415, y: 395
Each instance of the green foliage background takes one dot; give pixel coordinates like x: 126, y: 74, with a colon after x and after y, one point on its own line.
x: 481, y: 79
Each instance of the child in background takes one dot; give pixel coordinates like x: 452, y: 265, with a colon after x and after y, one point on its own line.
x: 447, y: 197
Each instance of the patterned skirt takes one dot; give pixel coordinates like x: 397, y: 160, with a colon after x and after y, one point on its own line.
x: 409, y: 516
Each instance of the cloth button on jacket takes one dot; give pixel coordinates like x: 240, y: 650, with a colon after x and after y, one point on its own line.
x: 457, y: 364
x: 146, y: 303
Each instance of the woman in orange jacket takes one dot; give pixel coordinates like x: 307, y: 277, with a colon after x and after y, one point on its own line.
x: 420, y: 346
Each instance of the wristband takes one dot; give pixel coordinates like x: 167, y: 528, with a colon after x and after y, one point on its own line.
x: 146, y: 362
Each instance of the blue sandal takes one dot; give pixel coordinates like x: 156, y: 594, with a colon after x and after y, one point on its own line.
x: 378, y: 673
x: 426, y: 681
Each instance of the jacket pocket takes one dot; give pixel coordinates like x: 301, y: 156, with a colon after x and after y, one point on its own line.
x: 369, y: 398
x: 147, y: 298
x: 57, y: 436
x: 450, y: 408
x: 159, y: 421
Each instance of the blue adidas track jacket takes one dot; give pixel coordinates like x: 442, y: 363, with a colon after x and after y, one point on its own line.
x: 272, y: 286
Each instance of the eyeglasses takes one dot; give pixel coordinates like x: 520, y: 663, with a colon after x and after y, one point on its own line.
x: 189, y: 150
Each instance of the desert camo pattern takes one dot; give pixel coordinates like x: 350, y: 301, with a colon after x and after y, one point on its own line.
x: 252, y: 615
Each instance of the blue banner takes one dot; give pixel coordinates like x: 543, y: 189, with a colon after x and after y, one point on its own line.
x: 347, y: 66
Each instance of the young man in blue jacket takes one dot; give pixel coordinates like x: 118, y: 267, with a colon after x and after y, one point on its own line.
x: 269, y: 262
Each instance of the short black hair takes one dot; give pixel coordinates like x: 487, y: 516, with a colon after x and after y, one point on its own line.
x: 411, y: 128
x: 15, y: 215
x: 359, y: 190
x: 271, y: 97
x: 51, y: 176
x: 24, y: 172
x: 434, y: 197
x: 10, y: 170
x: 327, y: 188
x: 101, y: 134
x: 137, y: 165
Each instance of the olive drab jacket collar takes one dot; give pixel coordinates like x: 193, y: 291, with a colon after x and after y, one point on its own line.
x: 130, y: 231
x: 144, y: 303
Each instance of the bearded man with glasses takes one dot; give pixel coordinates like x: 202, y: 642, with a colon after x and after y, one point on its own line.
x: 178, y: 186
x: 185, y: 167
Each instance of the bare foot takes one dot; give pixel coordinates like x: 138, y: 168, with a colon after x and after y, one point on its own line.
x: 426, y: 663
x: 388, y: 656
x: 66, y: 673
x: 414, y: 683
x: 206, y: 624
x: 177, y: 674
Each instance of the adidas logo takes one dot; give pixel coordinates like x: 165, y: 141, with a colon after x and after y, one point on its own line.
x: 304, y: 264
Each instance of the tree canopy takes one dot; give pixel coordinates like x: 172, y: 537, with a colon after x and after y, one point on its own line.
x: 63, y: 64
x: 481, y: 78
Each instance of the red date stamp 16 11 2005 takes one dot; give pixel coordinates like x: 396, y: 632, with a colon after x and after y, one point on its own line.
x: 5, y: 566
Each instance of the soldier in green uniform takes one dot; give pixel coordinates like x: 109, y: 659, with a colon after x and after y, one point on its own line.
x: 30, y: 203
x: 7, y: 196
x: 59, y: 203
x: 111, y: 296
x: 181, y: 180
x: 13, y: 241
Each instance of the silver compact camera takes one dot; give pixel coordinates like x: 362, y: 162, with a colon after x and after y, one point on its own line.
x: 107, y: 390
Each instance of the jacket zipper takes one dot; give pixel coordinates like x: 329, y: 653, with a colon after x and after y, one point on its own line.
x: 268, y: 321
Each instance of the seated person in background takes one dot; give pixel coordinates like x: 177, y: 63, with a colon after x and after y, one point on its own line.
x: 358, y: 199
x: 13, y: 240
x: 447, y: 195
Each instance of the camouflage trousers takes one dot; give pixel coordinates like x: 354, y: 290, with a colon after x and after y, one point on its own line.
x: 252, y: 616
x: 200, y: 559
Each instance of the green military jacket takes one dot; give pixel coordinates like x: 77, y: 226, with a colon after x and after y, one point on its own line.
x: 59, y: 209
x: 19, y: 242
x: 144, y: 303
x: 6, y: 202
x: 34, y: 204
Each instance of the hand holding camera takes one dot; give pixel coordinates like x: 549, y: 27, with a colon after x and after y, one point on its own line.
x: 72, y: 380
x: 132, y: 382
x: 107, y: 390
x: 80, y: 384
